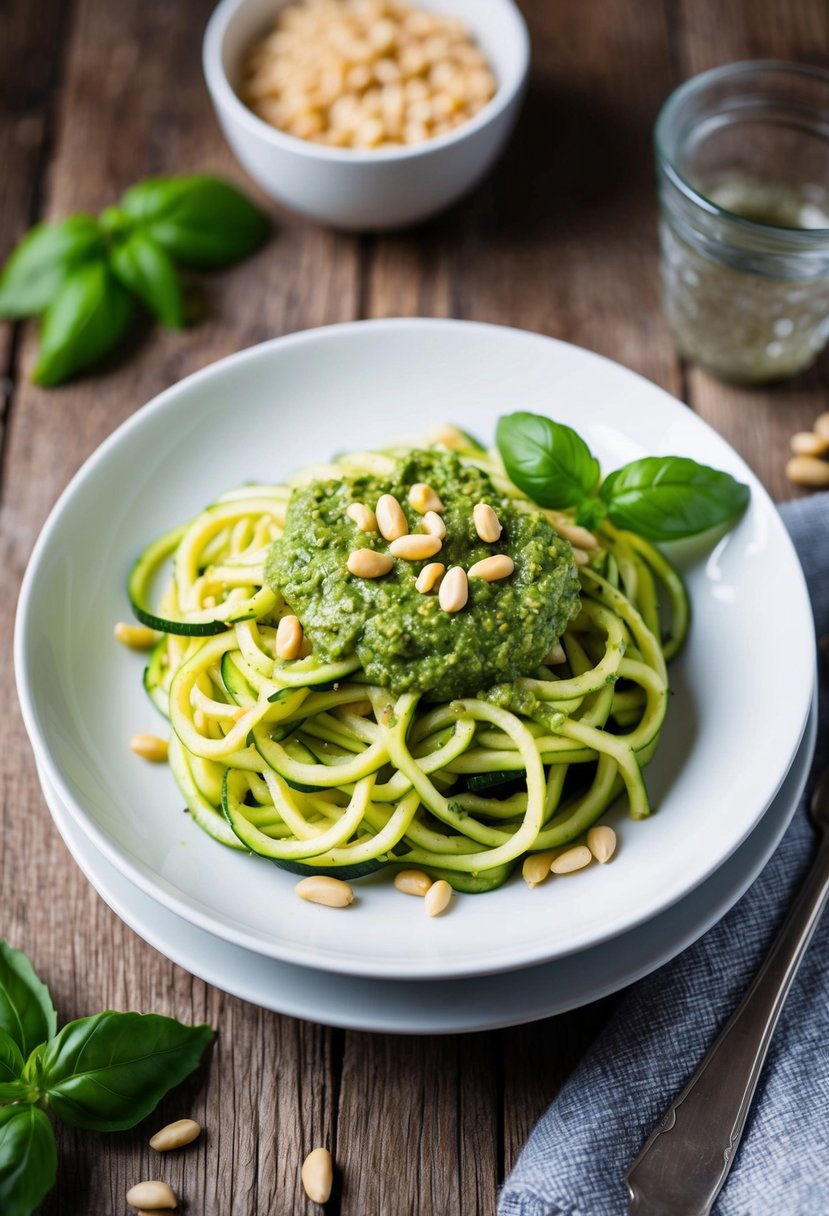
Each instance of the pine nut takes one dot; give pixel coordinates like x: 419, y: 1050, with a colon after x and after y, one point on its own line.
x: 390, y: 518
x: 175, y: 1135
x: 422, y: 498
x: 434, y: 525
x: 500, y: 565
x: 487, y: 524
x: 321, y: 889
x: 446, y: 435
x: 437, y: 897
x: 415, y: 547
x: 429, y: 577
x: 137, y: 637
x: 152, y: 1196
x: 555, y: 655
x: 575, y: 533
x: 808, y: 471
x: 362, y: 516
x: 149, y: 747
x: 806, y: 443
x: 601, y: 841
x: 573, y: 859
x: 821, y: 425
x: 318, y: 1175
x: 454, y: 590
x: 536, y: 867
x: 365, y: 563
x: 580, y: 557
x: 288, y: 637
x: 412, y: 882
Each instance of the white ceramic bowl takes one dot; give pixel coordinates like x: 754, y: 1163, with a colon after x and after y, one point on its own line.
x: 376, y: 188
x: 735, y: 722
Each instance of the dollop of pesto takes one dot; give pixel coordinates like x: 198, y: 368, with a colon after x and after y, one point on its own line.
x: 404, y: 640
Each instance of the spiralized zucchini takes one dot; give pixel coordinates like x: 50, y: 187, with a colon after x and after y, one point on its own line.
x: 311, y: 766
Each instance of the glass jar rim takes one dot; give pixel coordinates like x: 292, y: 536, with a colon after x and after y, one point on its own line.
x: 702, y: 80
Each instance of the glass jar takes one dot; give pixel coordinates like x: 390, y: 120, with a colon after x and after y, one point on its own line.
x: 743, y: 163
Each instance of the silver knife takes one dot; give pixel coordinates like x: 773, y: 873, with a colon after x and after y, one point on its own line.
x: 685, y: 1162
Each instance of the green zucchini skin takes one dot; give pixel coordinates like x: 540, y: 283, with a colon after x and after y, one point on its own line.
x: 347, y: 873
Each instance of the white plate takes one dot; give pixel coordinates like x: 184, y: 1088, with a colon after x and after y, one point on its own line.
x: 442, y: 1006
x: 736, y: 719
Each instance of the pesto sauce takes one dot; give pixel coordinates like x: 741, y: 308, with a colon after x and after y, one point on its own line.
x: 404, y: 640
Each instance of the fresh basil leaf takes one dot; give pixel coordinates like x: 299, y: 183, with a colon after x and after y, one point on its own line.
x: 145, y: 269
x: 116, y: 221
x: 11, y: 1061
x: 84, y: 321
x: 110, y: 1071
x: 200, y: 221
x: 26, y: 1012
x: 549, y: 461
x: 669, y: 497
x: 39, y: 265
x: 28, y: 1159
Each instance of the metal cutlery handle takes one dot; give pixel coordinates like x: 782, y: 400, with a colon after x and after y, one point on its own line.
x: 685, y: 1161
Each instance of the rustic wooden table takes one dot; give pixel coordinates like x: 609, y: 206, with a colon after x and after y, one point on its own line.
x: 562, y: 240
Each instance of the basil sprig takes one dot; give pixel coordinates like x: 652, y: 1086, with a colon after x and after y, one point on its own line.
x: 662, y: 498
x: 104, y: 1073
x: 84, y: 275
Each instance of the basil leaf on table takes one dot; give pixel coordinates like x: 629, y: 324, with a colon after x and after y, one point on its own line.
x: 108, y: 1072
x: 145, y: 269
x: 83, y: 322
x: 198, y: 220
x: 40, y: 263
x: 27, y: 1015
x: 12, y: 1089
x: 549, y: 461
x: 667, y: 498
x: 28, y: 1159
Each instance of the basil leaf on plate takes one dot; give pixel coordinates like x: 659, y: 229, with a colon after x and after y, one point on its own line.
x: 28, y: 1159
x: 549, y: 461
x: 199, y: 221
x: 145, y: 269
x: 110, y: 1071
x: 667, y: 498
x: 84, y: 321
x: 27, y: 1015
x: 40, y: 263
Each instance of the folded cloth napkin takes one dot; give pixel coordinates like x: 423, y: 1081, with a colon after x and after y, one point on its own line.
x: 575, y: 1160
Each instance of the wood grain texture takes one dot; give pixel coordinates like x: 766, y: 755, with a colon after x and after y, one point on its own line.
x: 562, y: 240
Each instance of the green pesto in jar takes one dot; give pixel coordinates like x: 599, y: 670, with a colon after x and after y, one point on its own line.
x: 404, y: 640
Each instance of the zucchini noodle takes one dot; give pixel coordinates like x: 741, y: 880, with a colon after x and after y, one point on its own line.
x: 311, y: 765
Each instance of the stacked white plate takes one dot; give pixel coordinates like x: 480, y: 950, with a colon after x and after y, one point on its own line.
x: 727, y: 776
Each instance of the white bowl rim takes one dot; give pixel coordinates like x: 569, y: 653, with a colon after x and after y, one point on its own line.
x: 227, y: 99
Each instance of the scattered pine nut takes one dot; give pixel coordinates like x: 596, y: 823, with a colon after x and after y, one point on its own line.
x: 434, y: 525
x: 446, y: 435
x: 491, y: 569
x: 289, y: 637
x: 365, y: 563
x: 454, y: 590
x: 391, y: 520
x: 152, y: 1196
x: 580, y: 557
x: 555, y: 655
x: 149, y: 747
x: 318, y: 1175
x: 321, y: 889
x: 362, y: 516
x: 601, y: 841
x: 487, y: 524
x: 429, y: 577
x: 573, y: 859
x: 536, y: 867
x: 137, y: 637
x: 175, y: 1135
x: 422, y: 498
x: 412, y: 882
x: 808, y: 471
x: 415, y: 547
x: 821, y: 425
x: 807, y: 443
x: 575, y: 533
x: 437, y: 897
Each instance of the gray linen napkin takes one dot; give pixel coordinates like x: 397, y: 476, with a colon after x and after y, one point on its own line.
x: 576, y: 1157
